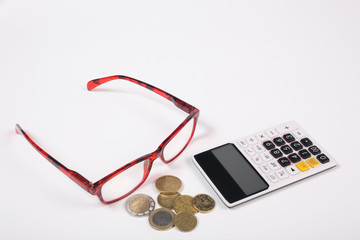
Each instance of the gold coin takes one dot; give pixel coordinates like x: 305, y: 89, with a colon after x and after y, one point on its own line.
x: 162, y: 219
x: 168, y: 184
x: 140, y: 204
x: 184, y: 203
x: 167, y: 199
x: 185, y: 221
x: 203, y: 203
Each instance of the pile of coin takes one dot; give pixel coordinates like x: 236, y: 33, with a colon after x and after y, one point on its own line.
x: 185, y: 206
x: 170, y: 199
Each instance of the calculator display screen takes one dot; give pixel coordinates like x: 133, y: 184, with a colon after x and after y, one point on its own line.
x: 231, y: 172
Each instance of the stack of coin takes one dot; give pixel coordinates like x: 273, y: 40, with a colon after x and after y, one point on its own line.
x: 169, y: 187
x: 185, y: 206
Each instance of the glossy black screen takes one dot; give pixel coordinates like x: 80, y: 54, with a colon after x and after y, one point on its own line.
x: 231, y: 172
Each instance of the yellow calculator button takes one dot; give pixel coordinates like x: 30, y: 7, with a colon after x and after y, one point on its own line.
x: 312, y: 162
x: 302, y: 166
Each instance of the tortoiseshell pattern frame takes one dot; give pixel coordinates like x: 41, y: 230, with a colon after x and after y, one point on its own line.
x: 95, y: 188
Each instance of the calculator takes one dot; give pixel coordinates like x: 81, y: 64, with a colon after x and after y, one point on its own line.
x: 262, y: 162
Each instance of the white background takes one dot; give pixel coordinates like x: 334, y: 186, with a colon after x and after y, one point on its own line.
x: 246, y: 65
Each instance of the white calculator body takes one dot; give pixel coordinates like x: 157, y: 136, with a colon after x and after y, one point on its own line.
x: 262, y: 162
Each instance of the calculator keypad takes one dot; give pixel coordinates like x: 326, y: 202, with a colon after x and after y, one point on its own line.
x: 283, y: 152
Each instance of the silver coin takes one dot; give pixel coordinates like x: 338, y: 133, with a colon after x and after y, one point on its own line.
x: 140, y: 205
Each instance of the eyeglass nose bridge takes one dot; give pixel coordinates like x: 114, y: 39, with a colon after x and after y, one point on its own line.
x: 191, y: 118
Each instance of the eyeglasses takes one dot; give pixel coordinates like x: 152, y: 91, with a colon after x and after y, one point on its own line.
x: 125, y: 180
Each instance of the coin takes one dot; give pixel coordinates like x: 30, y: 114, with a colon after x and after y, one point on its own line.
x: 168, y: 184
x: 167, y: 199
x: 184, y: 203
x: 140, y: 205
x: 203, y: 203
x: 185, y: 221
x: 162, y: 219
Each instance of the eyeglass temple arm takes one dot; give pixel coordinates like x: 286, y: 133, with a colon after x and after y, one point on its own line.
x: 178, y: 102
x: 76, y: 177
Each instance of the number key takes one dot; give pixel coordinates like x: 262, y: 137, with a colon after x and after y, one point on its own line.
x: 294, y: 158
x: 296, y: 146
x: 268, y: 145
x: 314, y: 150
x: 323, y: 158
x: 276, y: 153
x: 284, y: 162
x: 286, y: 149
x: 289, y: 138
x: 279, y: 141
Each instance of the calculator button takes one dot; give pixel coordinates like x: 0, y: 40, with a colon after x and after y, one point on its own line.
x: 271, y: 133
x: 281, y: 174
x: 323, y: 158
x: 286, y: 149
x: 298, y: 134
x: 314, y: 150
x: 292, y: 170
x: 312, y: 162
x: 268, y: 145
x: 304, y: 154
x: 273, y: 178
x: 296, y: 146
x: 243, y: 143
x: 288, y: 127
x: 279, y: 141
x: 251, y: 140
x: 284, y: 161
x: 261, y: 137
x: 294, y: 158
x: 265, y: 156
x: 257, y: 160
x: 250, y: 151
x: 306, y: 142
x: 258, y: 148
x: 273, y: 165
x: 276, y: 153
x: 265, y: 169
x: 289, y: 138
x: 302, y: 166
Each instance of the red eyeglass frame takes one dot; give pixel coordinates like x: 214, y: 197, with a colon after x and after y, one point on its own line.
x: 95, y: 188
